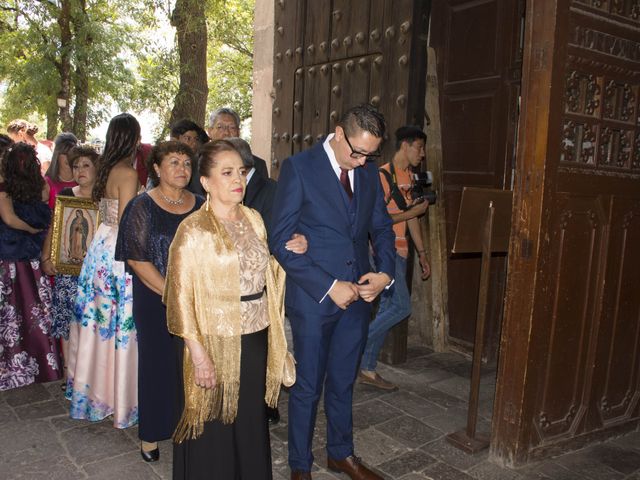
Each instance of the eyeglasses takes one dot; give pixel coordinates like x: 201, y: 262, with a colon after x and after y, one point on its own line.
x: 356, y: 154
x: 228, y: 128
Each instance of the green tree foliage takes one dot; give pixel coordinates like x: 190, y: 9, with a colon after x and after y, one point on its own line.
x: 130, y: 53
x: 231, y: 55
x: 35, y: 48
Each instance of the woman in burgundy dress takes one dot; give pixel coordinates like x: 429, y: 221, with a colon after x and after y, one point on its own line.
x: 27, y: 352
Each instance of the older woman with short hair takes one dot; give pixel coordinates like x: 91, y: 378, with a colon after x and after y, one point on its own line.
x: 224, y: 297
x: 147, y: 228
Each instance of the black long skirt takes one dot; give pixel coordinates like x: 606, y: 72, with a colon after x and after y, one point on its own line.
x: 157, y: 366
x: 242, y: 449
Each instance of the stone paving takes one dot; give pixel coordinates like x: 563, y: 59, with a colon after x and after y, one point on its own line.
x: 399, y: 433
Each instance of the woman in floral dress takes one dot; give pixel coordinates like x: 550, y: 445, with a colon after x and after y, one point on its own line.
x: 103, y: 352
x: 27, y: 353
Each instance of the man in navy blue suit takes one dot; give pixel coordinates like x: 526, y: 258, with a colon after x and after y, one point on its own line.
x: 332, y: 194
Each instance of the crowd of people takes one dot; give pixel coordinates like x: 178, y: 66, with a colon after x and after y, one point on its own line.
x: 176, y: 319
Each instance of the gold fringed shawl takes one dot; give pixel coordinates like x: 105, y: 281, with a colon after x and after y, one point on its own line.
x: 202, y: 295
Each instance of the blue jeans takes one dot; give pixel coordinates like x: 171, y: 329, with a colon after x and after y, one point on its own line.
x: 394, y: 307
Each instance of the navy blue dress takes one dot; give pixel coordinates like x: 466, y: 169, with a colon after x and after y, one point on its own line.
x: 145, y: 234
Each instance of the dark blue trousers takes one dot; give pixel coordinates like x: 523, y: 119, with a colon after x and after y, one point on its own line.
x: 327, y: 351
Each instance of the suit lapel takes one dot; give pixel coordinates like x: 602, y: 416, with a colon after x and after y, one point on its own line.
x: 327, y: 177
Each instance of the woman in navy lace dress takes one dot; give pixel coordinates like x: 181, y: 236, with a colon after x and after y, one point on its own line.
x: 147, y: 228
x: 27, y: 352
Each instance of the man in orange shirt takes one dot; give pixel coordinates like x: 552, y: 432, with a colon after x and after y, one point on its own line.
x: 395, y: 305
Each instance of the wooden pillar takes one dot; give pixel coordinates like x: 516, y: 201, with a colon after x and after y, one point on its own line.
x: 262, y: 79
x: 512, y: 414
x: 436, y: 239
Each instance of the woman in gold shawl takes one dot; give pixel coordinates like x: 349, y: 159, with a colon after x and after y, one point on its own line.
x: 224, y: 297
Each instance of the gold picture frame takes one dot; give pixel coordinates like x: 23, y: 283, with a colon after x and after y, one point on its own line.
x: 75, y: 222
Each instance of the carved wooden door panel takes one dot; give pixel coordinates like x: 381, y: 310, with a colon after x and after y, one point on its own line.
x: 333, y: 54
x: 479, y: 59
x: 571, y: 342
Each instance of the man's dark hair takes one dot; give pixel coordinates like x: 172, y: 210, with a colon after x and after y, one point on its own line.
x: 363, y: 117
x: 180, y: 127
x: 409, y: 134
x: 202, y: 136
x: 244, y: 150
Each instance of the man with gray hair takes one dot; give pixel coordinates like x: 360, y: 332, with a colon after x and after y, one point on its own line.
x: 224, y: 123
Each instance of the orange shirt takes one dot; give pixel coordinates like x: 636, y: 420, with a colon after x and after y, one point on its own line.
x: 404, y: 181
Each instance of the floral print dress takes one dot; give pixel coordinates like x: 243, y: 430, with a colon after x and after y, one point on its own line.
x: 27, y: 352
x: 103, y: 351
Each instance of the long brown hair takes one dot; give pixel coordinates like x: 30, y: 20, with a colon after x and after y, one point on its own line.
x: 121, y: 142
x: 21, y: 172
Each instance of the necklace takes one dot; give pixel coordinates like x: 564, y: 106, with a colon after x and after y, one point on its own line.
x: 179, y: 201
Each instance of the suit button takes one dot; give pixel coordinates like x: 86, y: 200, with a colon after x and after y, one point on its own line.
x: 349, y: 262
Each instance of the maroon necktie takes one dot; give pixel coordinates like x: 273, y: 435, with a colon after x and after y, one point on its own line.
x: 344, y: 180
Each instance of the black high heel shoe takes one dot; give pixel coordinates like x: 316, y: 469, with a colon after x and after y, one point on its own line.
x: 152, y: 456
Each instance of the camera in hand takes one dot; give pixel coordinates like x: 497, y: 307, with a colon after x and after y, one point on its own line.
x: 422, y: 188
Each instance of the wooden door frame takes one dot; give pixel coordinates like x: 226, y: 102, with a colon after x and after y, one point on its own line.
x: 536, y: 190
x: 541, y: 86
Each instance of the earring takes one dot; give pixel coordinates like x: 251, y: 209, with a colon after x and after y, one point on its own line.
x: 207, y: 204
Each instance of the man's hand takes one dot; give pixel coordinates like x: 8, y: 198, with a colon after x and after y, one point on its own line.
x: 419, y: 209
x: 371, y: 284
x: 426, y: 268
x: 298, y: 244
x: 343, y: 294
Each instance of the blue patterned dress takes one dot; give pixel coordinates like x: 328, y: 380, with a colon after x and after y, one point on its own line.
x: 63, y: 296
x: 103, y: 350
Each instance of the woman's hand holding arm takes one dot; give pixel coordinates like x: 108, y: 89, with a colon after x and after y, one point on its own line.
x: 205, y: 373
x: 297, y: 244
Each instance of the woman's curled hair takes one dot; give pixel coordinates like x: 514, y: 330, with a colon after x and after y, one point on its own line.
x: 21, y: 172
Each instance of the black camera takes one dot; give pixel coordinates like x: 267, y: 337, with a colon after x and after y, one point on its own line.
x: 422, y: 189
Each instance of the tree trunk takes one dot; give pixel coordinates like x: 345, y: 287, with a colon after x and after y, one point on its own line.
x: 191, y: 100
x: 52, y: 121
x: 83, y: 40
x: 64, y: 67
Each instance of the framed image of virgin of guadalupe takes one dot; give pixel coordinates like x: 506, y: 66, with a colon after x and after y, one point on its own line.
x: 75, y: 223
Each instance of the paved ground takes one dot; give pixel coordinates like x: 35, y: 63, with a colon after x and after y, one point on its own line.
x: 400, y: 433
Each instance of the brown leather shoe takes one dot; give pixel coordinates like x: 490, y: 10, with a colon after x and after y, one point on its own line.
x: 375, y: 380
x: 300, y: 475
x: 353, y: 467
